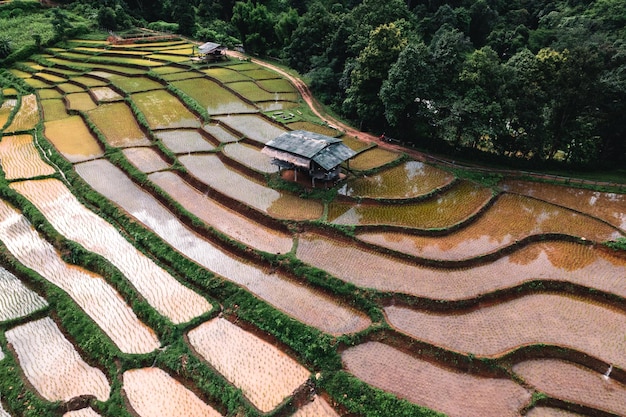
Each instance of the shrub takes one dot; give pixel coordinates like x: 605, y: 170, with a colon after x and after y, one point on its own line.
x: 161, y: 26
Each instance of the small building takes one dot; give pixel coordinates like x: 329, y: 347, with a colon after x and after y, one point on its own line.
x: 211, y: 51
x: 320, y: 156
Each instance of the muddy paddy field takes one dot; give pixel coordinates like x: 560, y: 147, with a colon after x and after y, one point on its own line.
x: 153, y: 262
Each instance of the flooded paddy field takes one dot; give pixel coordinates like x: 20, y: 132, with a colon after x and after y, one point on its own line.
x: 146, y: 159
x: 304, y: 303
x: 250, y: 156
x: 433, y: 213
x: 493, y: 330
x: 510, y: 219
x: 72, y: 138
x: 213, y: 97
x: 17, y: 300
x: 98, y: 299
x: 64, y: 377
x: 265, y: 375
x: 27, y: 115
x: 558, y: 261
x: 20, y: 158
x: 163, y: 110
x: 184, y: 141
x: 252, y: 126
x: 574, y: 383
x: 54, y: 109
x: 609, y: 207
x: 152, y: 392
x: 425, y: 383
x: 223, y: 219
x: 76, y: 222
x: 467, y: 299
x: 118, y: 125
x: 408, y: 180
x: 237, y: 186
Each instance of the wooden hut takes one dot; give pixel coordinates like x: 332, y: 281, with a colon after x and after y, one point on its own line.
x: 320, y: 156
x: 211, y: 51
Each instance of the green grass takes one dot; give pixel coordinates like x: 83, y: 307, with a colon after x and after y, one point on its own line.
x: 23, y: 25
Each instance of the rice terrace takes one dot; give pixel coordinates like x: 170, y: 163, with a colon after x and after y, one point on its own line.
x: 154, y: 262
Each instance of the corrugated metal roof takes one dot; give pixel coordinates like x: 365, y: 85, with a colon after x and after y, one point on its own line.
x: 208, y: 47
x: 326, y: 151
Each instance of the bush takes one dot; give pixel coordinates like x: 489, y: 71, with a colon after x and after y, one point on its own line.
x: 619, y: 244
x: 161, y: 26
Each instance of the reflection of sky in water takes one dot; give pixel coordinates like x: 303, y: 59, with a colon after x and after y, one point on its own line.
x: 410, y: 179
x: 288, y: 296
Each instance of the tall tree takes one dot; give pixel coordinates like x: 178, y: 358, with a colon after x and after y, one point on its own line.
x: 372, y: 65
x: 184, y: 14
x: 406, y: 93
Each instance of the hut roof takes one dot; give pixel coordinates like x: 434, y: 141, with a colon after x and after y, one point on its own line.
x: 209, y: 47
x: 301, y: 145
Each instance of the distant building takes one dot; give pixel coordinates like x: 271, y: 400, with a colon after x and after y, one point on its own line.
x: 211, y: 51
x: 320, y: 156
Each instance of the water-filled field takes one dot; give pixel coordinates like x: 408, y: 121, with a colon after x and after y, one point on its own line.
x: 154, y: 262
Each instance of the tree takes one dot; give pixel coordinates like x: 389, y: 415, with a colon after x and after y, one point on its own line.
x: 106, y: 18
x: 525, y: 119
x: 406, y: 92
x: 184, y: 14
x: 59, y: 22
x: 311, y: 37
x: 255, y: 23
x: 372, y: 65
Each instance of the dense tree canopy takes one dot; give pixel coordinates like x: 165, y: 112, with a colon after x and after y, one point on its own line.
x: 532, y: 80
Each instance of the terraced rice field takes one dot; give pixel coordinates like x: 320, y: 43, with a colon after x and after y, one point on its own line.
x: 92, y: 294
x: 80, y: 101
x: 565, y: 381
x: 265, y: 375
x: 54, y: 109
x: 606, y: 206
x: 27, y: 115
x: 495, y: 230
x: 435, y: 213
x: 16, y: 299
x: 206, y: 285
x: 52, y: 364
x: 223, y: 219
x: 408, y: 180
x: 152, y: 392
x: 185, y: 141
x: 252, y: 126
x: 118, y: 125
x: 72, y: 138
x: 210, y: 170
x: 425, y: 383
x: 213, y: 97
x: 73, y: 220
x: 145, y: 159
x: 105, y: 94
x: 542, y: 318
x: 250, y: 156
x: 163, y: 110
x: 20, y: 158
x: 298, y: 301
x: 559, y: 261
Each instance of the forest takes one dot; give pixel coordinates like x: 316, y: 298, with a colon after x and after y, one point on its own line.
x: 530, y: 82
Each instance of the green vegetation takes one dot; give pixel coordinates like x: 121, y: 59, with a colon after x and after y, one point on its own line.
x: 536, y: 84
x: 619, y: 244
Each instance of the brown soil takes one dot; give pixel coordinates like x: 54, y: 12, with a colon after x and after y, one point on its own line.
x: 426, y: 384
x: 571, y: 382
x: 535, y: 319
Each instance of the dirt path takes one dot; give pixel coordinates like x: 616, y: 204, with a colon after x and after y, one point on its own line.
x: 307, y: 96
